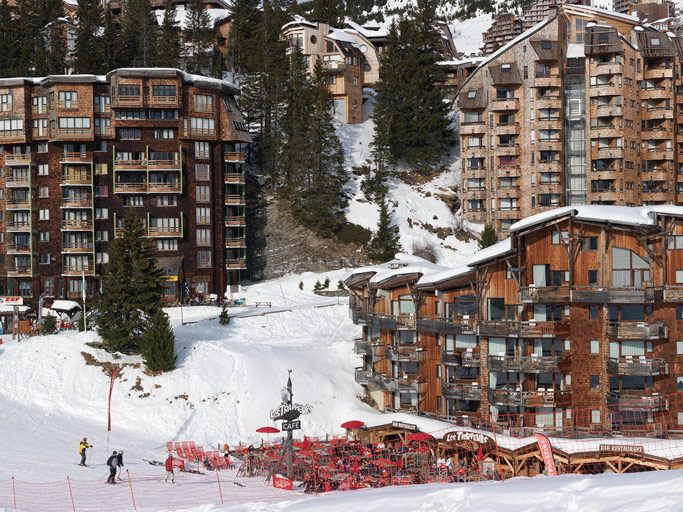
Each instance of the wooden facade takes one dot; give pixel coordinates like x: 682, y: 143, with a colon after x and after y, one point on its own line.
x: 572, y: 323
x: 79, y: 152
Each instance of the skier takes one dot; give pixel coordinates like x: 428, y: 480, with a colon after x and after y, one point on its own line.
x: 169, y: 468
x: 119, y: 464
x: 82, y: 448
x: 112, y: 464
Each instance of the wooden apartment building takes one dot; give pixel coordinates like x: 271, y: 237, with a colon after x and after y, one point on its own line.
x: 79, y: 152
x: 583, y: 108
x: 574, y: 321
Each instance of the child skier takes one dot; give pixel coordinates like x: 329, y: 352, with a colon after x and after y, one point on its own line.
x: 82, y: 450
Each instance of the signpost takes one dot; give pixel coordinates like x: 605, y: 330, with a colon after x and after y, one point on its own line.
x: 15, y: 302
x: 288, y: 412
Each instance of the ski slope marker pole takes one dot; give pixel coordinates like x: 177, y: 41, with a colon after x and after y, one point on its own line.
x: 14, y: 493
x: 220, y: 491
x: 73, y: 504
x: 130, y: 485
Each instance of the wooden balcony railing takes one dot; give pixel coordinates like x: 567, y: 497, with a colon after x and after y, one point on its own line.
x: 461, y: 391
x: 236, y: 263
x: 634, y: 330
x: 77, y: 225
x: 164, y: 231
x: 235, y: 156
x: 526, y: 364
x: 637, y: 366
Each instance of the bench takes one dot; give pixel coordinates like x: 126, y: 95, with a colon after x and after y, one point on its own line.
x: 264, y: 304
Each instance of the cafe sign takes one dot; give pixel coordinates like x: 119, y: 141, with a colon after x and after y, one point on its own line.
x: 289, y: 412
x: 462, y: 436
x: 12, y: 301
x: 404, y: 426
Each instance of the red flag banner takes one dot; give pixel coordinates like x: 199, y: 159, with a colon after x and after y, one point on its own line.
x: 282, y: 483
x: 111, y: 388
x: 547, y: 454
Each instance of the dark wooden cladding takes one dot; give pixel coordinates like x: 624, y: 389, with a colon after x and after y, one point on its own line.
x: 575, y: 325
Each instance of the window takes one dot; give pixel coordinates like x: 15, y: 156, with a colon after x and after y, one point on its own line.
x: 203, y: 215
x: 471, y: 94
x: 40, y: 127
x: 595, y: 416
x: 679, y: 348
x: 201, y: 150
x: 203, y: 259
x: 164, y: 133
x: 595, y: 346
x: 594, y: 311
x: 25, y: 289
x: 165, y: 114
x: 42, y: 147
x: 546, y: 44
x: 43, y: 192
x: 595, y: 381
x: 203, y: 194
x: 39, y: 104
x: 589, y: 243
x: 133, y: 201
x: 130, y: 133
x: 629, y: 269
x: 44, y: 214
x: 203, y: 103
x: 167, y: 200
x: 676, y: 242
x: 101, y: 257
x: 102, y: 104
x: 68, y: 99
x: 74, y: 124
x: 679, y: 276
x: 592, y: 277
x: 102, y: 126
x: 129, y: 90
x: 44, y: 236
x: 44, y: 258
x: 101, y: 213
x: 202, y: 125
x: 163, y: 90
x: 167, y: 245
x: 101, y: 169
x: 556, y: 237
x: 679, y: 417
x: 204, y: 237
x: 202, y: 172
x: 11, y: 125
x: 101, y: 236
x: 201, y: 285
x: 130, y: 113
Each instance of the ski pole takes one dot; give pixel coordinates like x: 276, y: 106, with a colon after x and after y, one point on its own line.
x: 89, y: 454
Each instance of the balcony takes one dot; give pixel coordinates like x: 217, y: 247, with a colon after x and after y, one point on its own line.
x: 550, y: 123
x: 605, y: 132
x: 234, y: 178
x: 366, y: 377
x: 163, y: 165
x: 544, y: 294
x: 17, y: 181
x: 164, y: 231
x: 77, y: 225
x: 443, y: 325
x: 465, y: 358
x: 657, y: 154
x: 609, y: 68
x: 130, y: 165
x: 71, y: 157
x: 525, y: 329
x: 163, y: 101
x: 75, y: 133
x: 362, y: 347
x: 527, y: 364
x: 235, y: 200
x: 461, y: 391
x: 83, y: 179
x: 607, y: 153
x: 200, y: 133
x: 17, y: 204
x: 499, y: 105
x: 333, y: 66
x: 550, y: 145
x: 13, y: 137
x: 127, y: 187
x: 656, y: 133
x: 549, y: 101
x: 609, y: 111
x: 637, y: 331
x: 78, y: 270
x: 637, y: 366
x: 472, y: 128
x: 608, y: 89
x: 76, y: 202
x: 507, y: 149
x: 18, y: 248
x: 236, y: 242
x: 595, y: 294
x: 548, y: 81
x: 656, y: 93
x: 126, y: 101
x: 165, y: 187
x: 236, y: 264
x: 19, y: 270
x: 78, y: 247
x: 404, y: 384
x: 235, y: 156
x: 235, y: 221
x: 18, y: 225
x: 638, y: 401
x: 506, y: 129
x: 12, y: 159
x: 505, y: 396
x: 656, y: 113
x: 658, y: 73
x: 405, y: 353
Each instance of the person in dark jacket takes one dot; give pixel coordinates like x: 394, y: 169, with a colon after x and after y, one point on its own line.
x: 119, y: 464
x: 112, y: 464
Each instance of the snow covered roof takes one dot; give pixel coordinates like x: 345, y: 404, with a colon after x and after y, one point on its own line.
x: 446, y: 275
x: 407, y: 264
x: 65, y: 305
x: 368, y: 30
x: 298, y: 20
x: 499, y: 249
x: 341, y: 36
x: 230, y: 86
x: 604, y: 12
x: 627, y: 215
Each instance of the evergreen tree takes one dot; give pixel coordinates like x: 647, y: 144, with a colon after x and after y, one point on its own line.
x: 488, y: 237
x: 30, y: 39
x: 130, y: 288
x: 52, y: 54
x: 411, y: 116
x: 168, y: 47
x: 87, y: 54
x: 139, y: 34
x: 110, y: 44
x: 384, y: 244
x: 331, y: 11
x: 199, y: 38
x: 158, y: 344
x: 243, y: 37
x: 9, y: 49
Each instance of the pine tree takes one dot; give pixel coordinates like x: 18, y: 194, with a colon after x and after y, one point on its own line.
x: 8, y: 41
x: 198, y: 38
x: 331, y: 11
x: 488, y: 237
x: 87, y: 52
x: 30, y: 39
x: 411, y: 116
x: 52, y: 54
x: 168, y: 47
x: 110, y: 43
x: 243, y: 36
x: 139, y: 34
x: 158, y: 344
x: 384, y: 244
x: 130, y: 288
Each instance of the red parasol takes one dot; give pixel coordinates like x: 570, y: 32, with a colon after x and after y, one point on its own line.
x: 385, y: 462
x: 267, y: 430
x: 352, y: 424
x: 306, y: 444
x: 420, y: 437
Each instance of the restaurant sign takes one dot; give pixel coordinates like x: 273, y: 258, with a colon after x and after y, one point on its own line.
x: 622, y: 448
x: 290, y: 412
x: 12, y: 301
x: 404, y: 426
x: 461, y: 436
